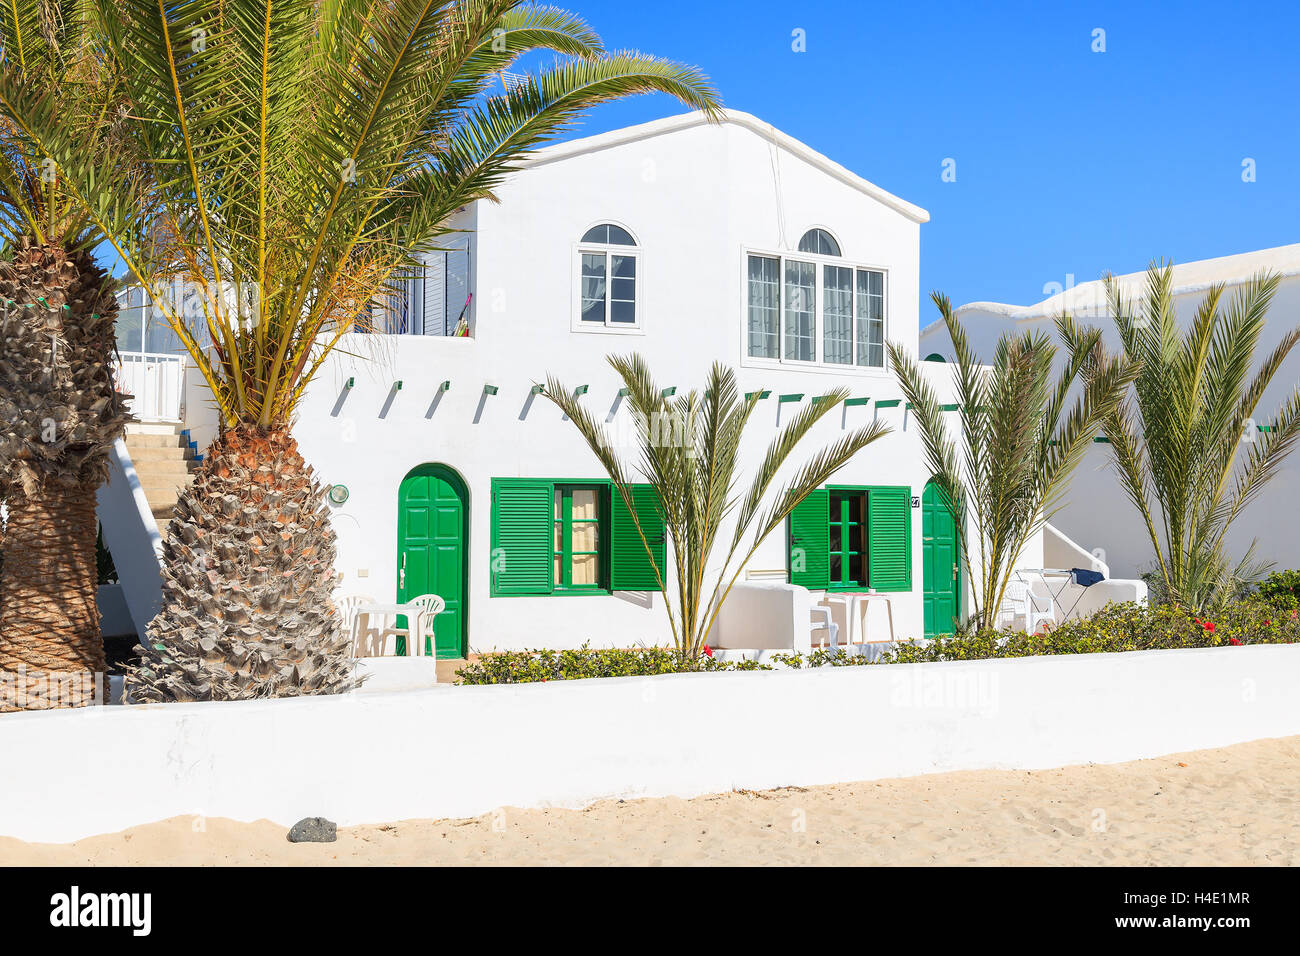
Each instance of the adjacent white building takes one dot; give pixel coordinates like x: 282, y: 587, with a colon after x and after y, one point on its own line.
x: 1097, y: 514
x: 691, y: 243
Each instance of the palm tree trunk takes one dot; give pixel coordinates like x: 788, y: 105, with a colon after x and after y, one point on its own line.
x: 51, y: 651
x: 248, y: 568
x: 60, y: 413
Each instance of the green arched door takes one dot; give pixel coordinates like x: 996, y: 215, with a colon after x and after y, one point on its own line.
x: 942, y: 562
x: 432, y: 541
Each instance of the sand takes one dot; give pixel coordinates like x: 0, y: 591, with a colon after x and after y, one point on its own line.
x: 1235, y: 805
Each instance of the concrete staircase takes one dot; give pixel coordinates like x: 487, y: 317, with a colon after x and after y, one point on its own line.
x: 164, y: 462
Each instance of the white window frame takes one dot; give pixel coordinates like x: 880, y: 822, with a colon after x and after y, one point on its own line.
x: 818, y: 362
x: 609, y: 327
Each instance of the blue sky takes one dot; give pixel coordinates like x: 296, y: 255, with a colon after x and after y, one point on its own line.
x: 1067, y: 161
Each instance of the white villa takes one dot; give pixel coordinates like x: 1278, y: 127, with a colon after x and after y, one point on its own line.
x: 686, y: 241
x: 1097, y: 515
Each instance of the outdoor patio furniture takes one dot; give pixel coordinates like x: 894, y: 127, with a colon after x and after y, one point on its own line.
x: 347, y: 608
x: 388, y: 614
x: 430, y: 605
x: 821, y: 621
x: 1019, y: 609
x: 864, y: 603
x: 853, y: 609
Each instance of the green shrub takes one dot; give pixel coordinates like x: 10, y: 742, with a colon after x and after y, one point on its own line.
x: 1115, y: 628
x: 524, y: 667
x: 820, y: 658
x: 1282, y: 590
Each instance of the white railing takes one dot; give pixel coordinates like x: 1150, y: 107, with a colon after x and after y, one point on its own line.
x: 156, y: 382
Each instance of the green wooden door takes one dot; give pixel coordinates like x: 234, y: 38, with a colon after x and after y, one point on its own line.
x: 432, y: 532
x: 941, y: 562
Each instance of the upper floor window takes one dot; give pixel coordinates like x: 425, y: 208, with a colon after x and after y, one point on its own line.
x: 432, y: 298
x: 802, y: 308
x: 607, y: 278
x: 820, y: 242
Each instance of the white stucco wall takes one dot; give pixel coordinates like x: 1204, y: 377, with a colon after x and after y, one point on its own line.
x: 1097, y: 515
x: 366, y: 758
x: 696, y: 200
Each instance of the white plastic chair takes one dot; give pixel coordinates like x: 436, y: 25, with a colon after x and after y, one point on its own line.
x: 347, y: 608
x: 821, y: 621
x: 1018, y: 610
x: 430, y: 606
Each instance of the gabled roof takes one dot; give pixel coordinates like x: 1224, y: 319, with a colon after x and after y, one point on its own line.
x: 1189, y: 278
x: 673, y: 124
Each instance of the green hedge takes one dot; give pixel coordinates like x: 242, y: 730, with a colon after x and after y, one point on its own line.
x: 1115, y: 628
x: 525, y: 667
x: 1281, y: 589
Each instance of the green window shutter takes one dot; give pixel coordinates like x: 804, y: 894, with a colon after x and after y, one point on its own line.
x: 522, y: 532
x: 629, y: 564
x: 810, y: 541
x: 889, y: 533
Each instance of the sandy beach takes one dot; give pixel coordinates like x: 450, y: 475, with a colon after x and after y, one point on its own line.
x: 1235, y: 805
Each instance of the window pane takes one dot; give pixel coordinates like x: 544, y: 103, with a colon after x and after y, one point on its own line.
x: 593, y: 287
x: 584, y: 505
x: 837, y: 315
x: 129, y: 319
x: 585, y: 536
x: 764, y: 307
x: 856, y: 575
x: 624, y: 267
x: 837, y: 569
x: 622, y: 292
x: 855, y: 508
x: 585, y: 567
x: 836, y: 537
x: 871, y: 318
x: 608, y: 234
x: 800, y: 310
x: 819, y: 241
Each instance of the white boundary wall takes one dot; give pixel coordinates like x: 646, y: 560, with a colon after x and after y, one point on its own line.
x: 454, y: 752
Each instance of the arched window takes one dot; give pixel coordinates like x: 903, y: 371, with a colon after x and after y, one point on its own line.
x: 935, y: 357
x: 608, y: 234
x: 819, y: 242
x: 607, y: 278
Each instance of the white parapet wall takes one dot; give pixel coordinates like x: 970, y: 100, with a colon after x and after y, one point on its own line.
x: 131, y: 534
x: 456, y: 752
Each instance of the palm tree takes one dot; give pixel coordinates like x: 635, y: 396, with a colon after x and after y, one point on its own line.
x: 1020, y: 441
x: 689, y: 452
x: 302, y: 153
x: 1174, y: 442
x: 59, y: 410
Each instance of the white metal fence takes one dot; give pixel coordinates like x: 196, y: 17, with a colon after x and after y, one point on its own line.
x: 156, y: 382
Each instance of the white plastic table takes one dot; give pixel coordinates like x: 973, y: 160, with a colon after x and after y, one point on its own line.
x: 853, y: 610
x: 414, y: 622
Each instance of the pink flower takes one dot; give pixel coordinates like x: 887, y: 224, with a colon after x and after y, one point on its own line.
x: 708, y: 650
